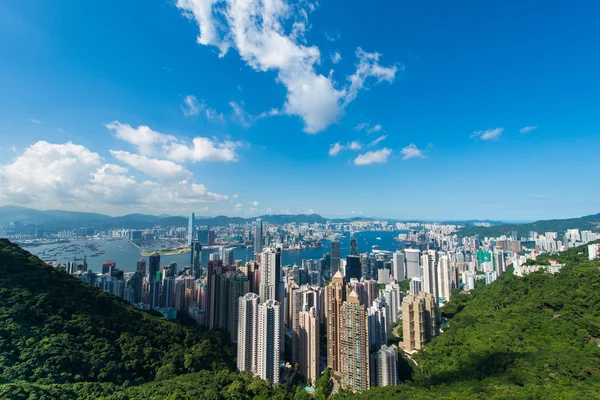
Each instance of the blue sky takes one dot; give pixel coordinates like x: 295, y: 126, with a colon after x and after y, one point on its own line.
x: 406, y: 109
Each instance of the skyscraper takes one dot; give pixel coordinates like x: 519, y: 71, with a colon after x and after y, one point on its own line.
x: 413, y: 323
x: 268, y: 353
x: 336, y: 295
x: 309, y: 344
x: 398, y: 266
x: 353, y: 246
x: 141, y: 266
x: 195, y: 258
x: 154, y: 266
x: 378, y: 323
x: 387, y: 366
x: 335, y: 256
x: 354, y: 345
x: 443, y: 277
x: 258, y: 237
x: 247, y: 329
x: 353, y: 267
x: 412, y: 263
x: 270, y: 276
x: 237, y: 286
x: 190, y: 231
x: 430, y: 280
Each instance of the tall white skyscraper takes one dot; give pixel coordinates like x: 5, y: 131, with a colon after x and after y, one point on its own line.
x: 270, y: 276
x: 387, y: 366
x: 429, y: 262
x: 191, y: 229
x: 412, y: 263
x: 398, y: 266
x: 258, y: 237
x: 378, y: 323
x: 268, y: 354
x: 247, y: 328
x: 443, y: 278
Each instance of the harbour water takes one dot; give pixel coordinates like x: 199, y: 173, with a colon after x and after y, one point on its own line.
x: 126, y: 254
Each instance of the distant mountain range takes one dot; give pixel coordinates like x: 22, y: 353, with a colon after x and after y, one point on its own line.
x: 27, y: 220
x: 589, y: 222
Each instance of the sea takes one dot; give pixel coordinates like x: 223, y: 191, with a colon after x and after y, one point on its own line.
x: 126, y: 255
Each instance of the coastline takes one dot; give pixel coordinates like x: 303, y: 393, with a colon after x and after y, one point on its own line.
x: 170, y: 252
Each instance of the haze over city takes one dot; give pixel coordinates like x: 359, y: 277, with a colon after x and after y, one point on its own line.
x: 479, y: 111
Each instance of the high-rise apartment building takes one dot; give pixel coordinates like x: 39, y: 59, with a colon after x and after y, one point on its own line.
x: 398, y: 266
x: 247, y: 328
x: 336, y: 296
x: 258, y: 237
x: 412, y: 263
x: 354, y: 345
x: 309, y: 344
x: 270, y: 276
x: 444, y: 279
x: 268, y: 354
x: 419, y: 321
x: 387, y: 366
x: 196, y: 258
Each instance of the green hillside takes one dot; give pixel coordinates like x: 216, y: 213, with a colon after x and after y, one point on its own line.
x: 535, y: 337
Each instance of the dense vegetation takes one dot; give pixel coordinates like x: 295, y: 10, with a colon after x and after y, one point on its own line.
x: 590, y: 222
x: 535, y: 337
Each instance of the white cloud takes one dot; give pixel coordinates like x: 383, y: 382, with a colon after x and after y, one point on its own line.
x: 191, y: 106
x: 235, y: 196
x: 374, y: 129
x: 35, y: 121
x: 257, y: 31
x: 272, y: 112
x: 378, y: 140
x: 527, y: 129
x: 152, y: 143
x: 50, y: 176
x: 411, y: 151
x: 160, y: 169
x: 371, y: 157
x: 368, y: 67
x: 238, y: 207
x: 336, y: 57
x: 254, y: 203
x: 355, y: 145
x: 240, y: 115
x: 335, y: 149
x: 488, y: 134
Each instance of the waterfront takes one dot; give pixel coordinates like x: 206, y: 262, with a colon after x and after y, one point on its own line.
x: 126, y: 254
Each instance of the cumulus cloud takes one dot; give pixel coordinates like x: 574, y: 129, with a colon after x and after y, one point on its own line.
x: 378, y: 140
x: 527, y: 129
x: 335, y: 149
x: 160, y: 169
x: 269, y: 36
x: 411, y: 151
x: 192, y: 106
x: 488, y: 134
x: 372, y: 157
x: 254, y: 203
x: 47, y: 175
x: 355, y: 145
x: 152, y: 143
x: 238, y: 207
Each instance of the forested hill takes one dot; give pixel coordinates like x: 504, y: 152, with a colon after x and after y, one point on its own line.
x: 535, y: 337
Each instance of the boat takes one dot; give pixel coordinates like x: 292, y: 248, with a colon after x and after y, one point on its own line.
x: 377, y: 238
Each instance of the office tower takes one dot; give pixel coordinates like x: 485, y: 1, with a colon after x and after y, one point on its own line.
x: 248, y: 317
x: 258, y: 238
x: 270, y: 276
x: 335, y: 256
x: 387, y: 366
x: 412, y: 263
x: 413, y: 323
x: 354, y: 345
x: 353, y: 246
x: 190, y: 231
x: 141, y: 266
x: 168, y: 292
x: 398, y: 266
x: 268, y: 341
x: 371, y: 287
x: 429, y: 261
x: 309, y: 344
x: 353, y: 269
x: 383, y: 276
x: 211, y: 237
x: 378, y: 323
x: 203, y: 236
x: 444, y: 278
x: 336, y: 295
x: 154, y: 266
x: 196, y: 258
x: 108, y: 267
x: 416, y: 286
x: 179, y: 300
x: 237, y: 287
x: 134, y: 284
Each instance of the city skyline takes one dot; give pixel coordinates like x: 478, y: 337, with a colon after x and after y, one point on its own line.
x: 174, y: 120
